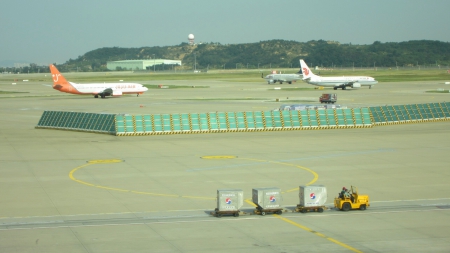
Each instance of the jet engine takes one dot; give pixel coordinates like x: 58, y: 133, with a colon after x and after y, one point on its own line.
x: 271, y: 81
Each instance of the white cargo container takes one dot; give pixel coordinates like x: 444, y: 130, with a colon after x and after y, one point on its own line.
x: 267, y: 198
x: 229, y: 199
x: 312, y: 195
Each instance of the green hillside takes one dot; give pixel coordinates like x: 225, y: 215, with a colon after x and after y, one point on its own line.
x: 275, y: 54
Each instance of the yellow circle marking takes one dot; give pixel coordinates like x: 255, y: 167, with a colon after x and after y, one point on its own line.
x: 122, y: 190
x: 91, y: 162
x: 219, y: 157
x: 316, y: 176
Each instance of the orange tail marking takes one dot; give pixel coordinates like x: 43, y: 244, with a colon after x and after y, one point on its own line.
x: 58, y: 79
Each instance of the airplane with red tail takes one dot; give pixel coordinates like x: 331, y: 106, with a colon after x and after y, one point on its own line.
x: 97, y: 89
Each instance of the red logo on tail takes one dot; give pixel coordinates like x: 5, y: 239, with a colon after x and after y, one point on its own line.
x: 305, y: 71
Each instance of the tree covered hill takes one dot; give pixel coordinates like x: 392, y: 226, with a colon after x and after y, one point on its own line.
x: 275, y: 54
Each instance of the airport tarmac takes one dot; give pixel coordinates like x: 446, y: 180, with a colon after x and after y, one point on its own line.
x: 66, y: 191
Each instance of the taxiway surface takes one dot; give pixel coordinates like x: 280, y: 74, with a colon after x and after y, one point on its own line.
x: 64, y: 191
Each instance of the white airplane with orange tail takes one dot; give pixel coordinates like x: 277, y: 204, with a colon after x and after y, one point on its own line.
x: 97, y: 89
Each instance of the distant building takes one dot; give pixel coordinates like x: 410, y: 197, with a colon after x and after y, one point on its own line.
x: 140, y: 64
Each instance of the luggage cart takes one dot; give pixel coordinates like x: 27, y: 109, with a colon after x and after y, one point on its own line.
x: 259, y: 210
x: 219, y: 214
x: 305, y: 209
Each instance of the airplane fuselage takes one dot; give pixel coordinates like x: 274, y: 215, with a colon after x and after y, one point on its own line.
x: 338, y: 81
x: 289, y: 78
x: 97, y: 88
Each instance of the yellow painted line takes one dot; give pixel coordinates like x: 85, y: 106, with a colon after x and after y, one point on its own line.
x: 92, y: 162
x: 250, y: 202
x: 318, y: 234
x: 76, y: 180
x: 110, y: 188
x: 316, y: 176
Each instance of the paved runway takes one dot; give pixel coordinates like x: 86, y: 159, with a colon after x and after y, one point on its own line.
x: 64, y: 191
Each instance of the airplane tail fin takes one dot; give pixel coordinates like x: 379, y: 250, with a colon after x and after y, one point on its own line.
x: 307, y: 73
x: 58, y: 79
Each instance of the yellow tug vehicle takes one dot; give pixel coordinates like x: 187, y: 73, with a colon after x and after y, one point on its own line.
x: 351, y: 201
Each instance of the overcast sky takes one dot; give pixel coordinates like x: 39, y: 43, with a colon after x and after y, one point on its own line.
x: 51, y: 31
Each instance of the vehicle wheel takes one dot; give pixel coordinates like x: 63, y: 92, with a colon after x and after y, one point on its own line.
x: 219, y: 215
x: 263, y: 213
x: 236, y: 214
x: 279, y: 212
x: 320, y: 210
x: 346, y: 207
x: 304, y: 210
x: 362, y: 207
